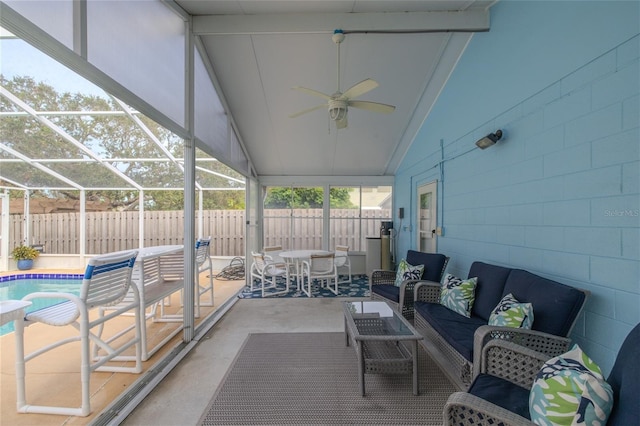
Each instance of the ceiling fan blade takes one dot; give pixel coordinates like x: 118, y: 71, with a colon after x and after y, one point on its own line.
x: 360, y: 88
x: 341, y: 124
x: 311, y: 92
x: 373, y: 106
x: 304, y: 111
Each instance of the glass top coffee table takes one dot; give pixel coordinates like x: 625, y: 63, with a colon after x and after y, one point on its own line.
x: 385, y: 342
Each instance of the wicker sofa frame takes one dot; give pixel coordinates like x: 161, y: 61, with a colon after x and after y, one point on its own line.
x: 460, y: 369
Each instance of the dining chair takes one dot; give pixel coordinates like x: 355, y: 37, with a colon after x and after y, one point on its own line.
x: 267, y: 271
x: 320, y: 267
x: 273, y: 253
x: 343, y: 262
x: 203, y: 264
x: 106, y: 282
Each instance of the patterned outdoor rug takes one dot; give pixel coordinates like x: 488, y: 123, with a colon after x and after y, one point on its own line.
x: 359, y: 288
x: 312, y: 379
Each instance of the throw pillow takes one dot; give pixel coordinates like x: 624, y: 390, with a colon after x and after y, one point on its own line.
x: 511, y: 313
x: 570, y: 390
x: 407, y: 272
x: 458, y: 295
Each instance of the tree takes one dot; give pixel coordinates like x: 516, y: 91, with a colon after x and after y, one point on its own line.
x: 306, y: 198
x: 115, y: 138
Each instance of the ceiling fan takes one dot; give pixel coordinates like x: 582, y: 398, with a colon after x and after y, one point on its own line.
x: 339, y: 103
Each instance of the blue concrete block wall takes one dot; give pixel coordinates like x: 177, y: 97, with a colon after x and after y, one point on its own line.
x: 559, y: 196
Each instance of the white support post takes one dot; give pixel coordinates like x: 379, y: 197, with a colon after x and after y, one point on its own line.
x: 4, y: 234
x: 200, y: 213
x: 26, y: 225
x: 141, y: 218
x: 189, y: 192
x: 83, y: 226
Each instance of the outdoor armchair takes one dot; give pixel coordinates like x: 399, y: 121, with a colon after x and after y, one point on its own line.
x: 107, y: 279
x: 500, y: 392
x: 382, y: 282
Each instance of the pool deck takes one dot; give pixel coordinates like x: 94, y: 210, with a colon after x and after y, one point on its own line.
x: 54, y: 378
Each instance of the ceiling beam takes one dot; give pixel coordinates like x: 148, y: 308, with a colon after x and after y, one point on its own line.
x: 446, y: 21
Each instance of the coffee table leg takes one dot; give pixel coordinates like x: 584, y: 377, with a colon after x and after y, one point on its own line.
x: 414, y: 350
x: 361, y: 365
x: 346, y: 332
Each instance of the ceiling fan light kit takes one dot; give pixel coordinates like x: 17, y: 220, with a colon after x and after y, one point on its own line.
x: 338, y: 103
x: 337, y: 109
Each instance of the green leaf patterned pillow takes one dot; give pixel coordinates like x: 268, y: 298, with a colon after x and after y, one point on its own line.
x: 511, y: 313
x: 407, y: 272
x: 570, y: 390
x: 458, y: 295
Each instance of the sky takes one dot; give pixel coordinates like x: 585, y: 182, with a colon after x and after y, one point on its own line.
x: 18, y: 58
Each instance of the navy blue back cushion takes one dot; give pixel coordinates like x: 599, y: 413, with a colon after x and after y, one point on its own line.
x: 433, y: 264
x: 625, y: 382
x: 555, y: 305
x: 491, y: 280
x: 388, y: 291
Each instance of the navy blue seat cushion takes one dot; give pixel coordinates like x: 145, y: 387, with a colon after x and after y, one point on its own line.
x: 555, y: 305
x: 625, y: 382
x: 456, y: 329
x: 388, y: 291
x: 502, y: 393
x: 433, y: 264
x: 489, y: 289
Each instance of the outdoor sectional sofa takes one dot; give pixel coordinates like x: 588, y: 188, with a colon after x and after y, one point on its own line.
x: 452, y: 337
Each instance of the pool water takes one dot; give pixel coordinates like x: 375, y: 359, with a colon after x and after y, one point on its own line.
x: 18, y: 288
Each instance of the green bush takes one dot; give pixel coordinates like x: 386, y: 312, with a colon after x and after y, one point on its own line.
x: 24, y: 253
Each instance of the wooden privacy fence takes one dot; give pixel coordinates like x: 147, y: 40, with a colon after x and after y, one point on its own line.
x: 59, y: 233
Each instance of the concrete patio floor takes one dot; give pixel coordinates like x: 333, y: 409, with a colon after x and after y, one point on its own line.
x: 53, y: 378
x: 183, y: 396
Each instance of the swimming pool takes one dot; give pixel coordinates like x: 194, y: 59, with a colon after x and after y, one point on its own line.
x: 15, y: 287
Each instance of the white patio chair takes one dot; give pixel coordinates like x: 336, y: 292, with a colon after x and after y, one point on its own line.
x: 203, y: 264
x: 343, y: 262
x: 107, y: 280
x: 323, y: 268
x: 273, y: 254
x: 268, y: 272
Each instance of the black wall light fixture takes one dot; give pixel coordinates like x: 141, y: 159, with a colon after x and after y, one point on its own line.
x: 489, y: 140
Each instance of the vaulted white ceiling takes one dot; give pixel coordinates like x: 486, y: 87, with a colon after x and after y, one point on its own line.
x: 261, y: 49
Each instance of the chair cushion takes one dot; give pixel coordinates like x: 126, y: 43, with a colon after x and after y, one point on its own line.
x: 502, y: 393
x: 511, y: 313
x: 458, y: 295
x: 489, y: 288
x: 433, y: 264
x: 556, y: 305
x: 625, y: 382
x: 407, y: 271
x: 454, y: 328
x: 388, y: 291
x: 570, y: 390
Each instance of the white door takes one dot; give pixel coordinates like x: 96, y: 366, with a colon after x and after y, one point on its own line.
x: 427, y: 220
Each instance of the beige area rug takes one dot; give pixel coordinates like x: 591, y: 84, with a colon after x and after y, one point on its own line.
x: 312, y: 379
